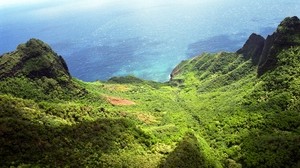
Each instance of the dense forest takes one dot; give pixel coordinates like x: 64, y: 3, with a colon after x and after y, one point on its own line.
x: 222, y: 109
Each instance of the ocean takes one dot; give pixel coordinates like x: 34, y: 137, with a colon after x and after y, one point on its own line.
x: 102, y: 39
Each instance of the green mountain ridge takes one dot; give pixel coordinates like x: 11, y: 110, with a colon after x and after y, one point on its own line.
x: 34, y: 59
x: 218, y: 110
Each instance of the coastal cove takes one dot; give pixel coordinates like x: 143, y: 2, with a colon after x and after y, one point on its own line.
x: 144, y: 39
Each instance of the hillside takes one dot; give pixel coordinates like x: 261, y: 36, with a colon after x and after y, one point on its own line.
x: 218, y: 110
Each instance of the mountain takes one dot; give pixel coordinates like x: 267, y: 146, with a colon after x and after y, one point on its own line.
x: 34, y: 59
x: 218, y: 110
x: 253, y: 48
x: 263, y: 52
x: 35, y: 71
x: 286, y: 36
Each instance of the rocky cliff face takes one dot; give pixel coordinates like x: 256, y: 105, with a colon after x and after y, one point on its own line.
x: 287, y: 35
x: 34, y: 59
x: 253, y: 48
x: 264, y: 52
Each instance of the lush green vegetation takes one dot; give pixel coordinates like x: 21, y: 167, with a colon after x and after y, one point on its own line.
x: 215, y: 112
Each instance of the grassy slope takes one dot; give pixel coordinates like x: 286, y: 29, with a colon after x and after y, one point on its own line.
x: 216, y: 110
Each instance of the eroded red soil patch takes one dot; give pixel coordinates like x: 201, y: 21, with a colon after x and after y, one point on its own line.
x: 119, y: 101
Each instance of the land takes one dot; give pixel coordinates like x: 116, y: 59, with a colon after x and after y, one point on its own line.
x: 222, y: 109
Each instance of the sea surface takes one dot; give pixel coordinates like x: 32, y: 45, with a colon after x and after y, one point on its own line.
x: 136, y: 37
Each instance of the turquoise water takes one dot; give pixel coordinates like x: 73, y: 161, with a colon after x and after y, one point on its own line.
x: 141, y: 38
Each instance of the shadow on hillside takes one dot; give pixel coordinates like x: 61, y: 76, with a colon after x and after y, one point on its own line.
x: 188, y: 153
x: 275, y: 144
x: 26, y: 142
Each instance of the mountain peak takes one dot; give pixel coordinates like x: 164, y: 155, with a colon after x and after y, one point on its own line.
x: 287, y: 35
x: 253, y: 48
x: 289, y: 25
x: 262, y: 52
x: 34, y: 59
x: 34, y: 48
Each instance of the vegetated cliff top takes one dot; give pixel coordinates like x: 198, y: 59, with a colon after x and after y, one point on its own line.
x: 34, y: 59
x: 287, y: 35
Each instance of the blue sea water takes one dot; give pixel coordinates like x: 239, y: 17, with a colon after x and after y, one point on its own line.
x: 141, y: 38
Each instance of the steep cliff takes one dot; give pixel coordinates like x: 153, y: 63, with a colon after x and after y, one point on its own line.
x: 261, y: 52
x: 253, y: 48
x: 286, y: 36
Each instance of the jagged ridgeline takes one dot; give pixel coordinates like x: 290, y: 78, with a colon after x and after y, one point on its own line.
x: 262, y: 52
x: 222, y: 109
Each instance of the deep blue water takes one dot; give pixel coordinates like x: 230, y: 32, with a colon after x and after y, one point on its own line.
x: 141, y: 38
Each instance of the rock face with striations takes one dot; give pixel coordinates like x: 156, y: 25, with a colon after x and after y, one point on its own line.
x: 287, y: 35
x: 34, y: 59
x: 253, y: 48
x: 264, y: 52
